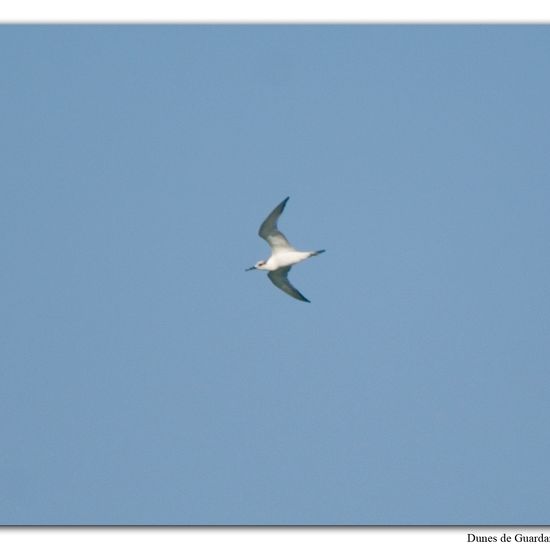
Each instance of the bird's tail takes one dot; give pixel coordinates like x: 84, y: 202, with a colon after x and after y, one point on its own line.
x: 317, y: 252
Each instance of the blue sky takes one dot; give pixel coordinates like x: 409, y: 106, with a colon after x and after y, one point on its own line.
x: 147, y: 379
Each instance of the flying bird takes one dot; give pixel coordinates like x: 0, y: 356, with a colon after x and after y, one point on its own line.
x: 283, y: 254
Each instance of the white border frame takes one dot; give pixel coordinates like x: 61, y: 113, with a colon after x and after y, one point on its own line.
x: 275, y: 11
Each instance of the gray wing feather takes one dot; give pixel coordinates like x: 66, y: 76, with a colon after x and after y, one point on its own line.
x: 279, y: 278
x: 270, y: 232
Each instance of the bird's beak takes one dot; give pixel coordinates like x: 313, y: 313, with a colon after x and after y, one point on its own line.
x: 250, y: 268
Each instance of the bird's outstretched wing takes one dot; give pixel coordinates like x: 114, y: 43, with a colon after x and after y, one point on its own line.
x: 270, y: 232
x: 279, y: 278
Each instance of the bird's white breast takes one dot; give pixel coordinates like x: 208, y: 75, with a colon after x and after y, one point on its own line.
x: 285, y: 258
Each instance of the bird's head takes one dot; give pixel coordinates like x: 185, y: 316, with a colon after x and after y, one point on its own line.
x: 258, y: 265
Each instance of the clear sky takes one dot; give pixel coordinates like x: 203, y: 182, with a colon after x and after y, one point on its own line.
x: 145, y: 378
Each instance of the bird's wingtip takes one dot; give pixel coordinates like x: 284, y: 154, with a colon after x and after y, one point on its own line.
x: 282, y: 205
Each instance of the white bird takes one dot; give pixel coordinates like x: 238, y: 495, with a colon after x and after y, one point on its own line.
x: 283, y: 254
